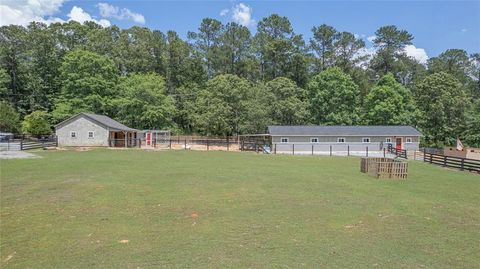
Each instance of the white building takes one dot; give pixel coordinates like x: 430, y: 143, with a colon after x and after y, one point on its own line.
x: 92, y: 130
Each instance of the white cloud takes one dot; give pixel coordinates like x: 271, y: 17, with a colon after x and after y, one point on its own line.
x: 366, y: 54
x: 242, y: 14
x: 224, y: 12
x: 22, y: 12
x: 78, y: 14
x: 110, y: 11
x: 418, y: 54
x: 371, y: 38
x: 464, y: 30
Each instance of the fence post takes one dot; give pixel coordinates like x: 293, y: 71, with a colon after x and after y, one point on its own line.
x: 312, y: 149
x: 293, y: 149
x: 348, y: 150
x: 208, y: 144
x: 185, y: 143
x: 424, y: 156
x: 415, y: 155
x: 228, y: 144
x: 383, y: 152
x: 367, y: 150
x: 462, y: 164
x: 431, y: 157
x: 330, y: 150
x: 56, y: 141
x: 170, y: 143
x: 275, y: 148
x: 21, y: 144
x: 444, y: 160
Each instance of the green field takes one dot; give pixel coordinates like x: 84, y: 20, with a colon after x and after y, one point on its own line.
x: 193, y: 209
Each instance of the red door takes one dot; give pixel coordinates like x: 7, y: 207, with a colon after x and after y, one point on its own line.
x: 398, y: 143
x: 149, y: 139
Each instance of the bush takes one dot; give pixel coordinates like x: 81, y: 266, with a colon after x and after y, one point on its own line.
x: 36, y: 123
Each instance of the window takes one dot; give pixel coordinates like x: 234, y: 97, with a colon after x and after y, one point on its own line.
x: 388, y: 140
x: 73, y: 135
x: 284, y: 140
x: 366, y: 140
x: 408, y: 140
x: 314, y: 140
x: 340, y: 139
x: 90, y: 134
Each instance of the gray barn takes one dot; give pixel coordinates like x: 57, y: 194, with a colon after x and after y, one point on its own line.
x: 86, y: 129
x: 355, y: 138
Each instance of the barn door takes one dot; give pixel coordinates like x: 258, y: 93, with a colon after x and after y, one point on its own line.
x: 149, y: 139
x: 398, y: 143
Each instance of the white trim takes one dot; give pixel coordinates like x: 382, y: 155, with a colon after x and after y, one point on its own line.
x: 74, y: 134
x: 344, y: 140
x: 407, y: 140
x: 316, y: 138
x: 364, y: 138
x: 281, y: 140
x: 93, y: 135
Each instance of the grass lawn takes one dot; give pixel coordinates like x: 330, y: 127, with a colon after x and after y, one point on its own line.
x: 193, y: 209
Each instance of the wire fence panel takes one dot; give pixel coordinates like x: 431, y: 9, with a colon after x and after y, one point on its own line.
x: 330, y: 149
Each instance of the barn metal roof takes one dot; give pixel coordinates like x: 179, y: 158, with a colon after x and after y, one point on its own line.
x: 341, y: 130
x: 100, y: 119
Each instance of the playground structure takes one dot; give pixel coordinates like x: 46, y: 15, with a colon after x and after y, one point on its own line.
x: 384, y: 167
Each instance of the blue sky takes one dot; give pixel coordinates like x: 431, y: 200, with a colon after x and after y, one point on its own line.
x: 436, y: 25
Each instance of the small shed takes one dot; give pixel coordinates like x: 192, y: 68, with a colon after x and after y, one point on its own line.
x: 468, y: 153
x: 93, y: 130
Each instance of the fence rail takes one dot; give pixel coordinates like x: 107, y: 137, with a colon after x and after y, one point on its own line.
x: 205, y: 143
x: 32, y: 143
x: 452, y: 162
x: 402, y: 153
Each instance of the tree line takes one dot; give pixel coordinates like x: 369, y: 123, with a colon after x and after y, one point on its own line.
x: 224, y: 80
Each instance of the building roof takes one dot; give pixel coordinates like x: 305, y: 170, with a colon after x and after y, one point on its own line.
x: 99, y: 119
x: 341, y: 130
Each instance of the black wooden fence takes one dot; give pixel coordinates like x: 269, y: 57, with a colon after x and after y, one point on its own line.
x: 402, y: 153
x: 37, y: 143
x: 452, y: 162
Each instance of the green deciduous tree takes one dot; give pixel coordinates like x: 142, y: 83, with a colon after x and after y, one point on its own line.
x: 9, y: 118
x: 472, y: 132
x: 334, y: 98
x: 88, y: 83
x: 36, y: 123
x: 13, y: 59
x: 442, y: 102
x: 221, y: 104
x: 288, y: 106
x: 389, y: 103
x: 143, y: 103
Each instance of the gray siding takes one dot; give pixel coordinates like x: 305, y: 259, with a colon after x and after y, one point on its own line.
x: 354, y: 142
x: 333, y: 139
x: 81, y: 127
